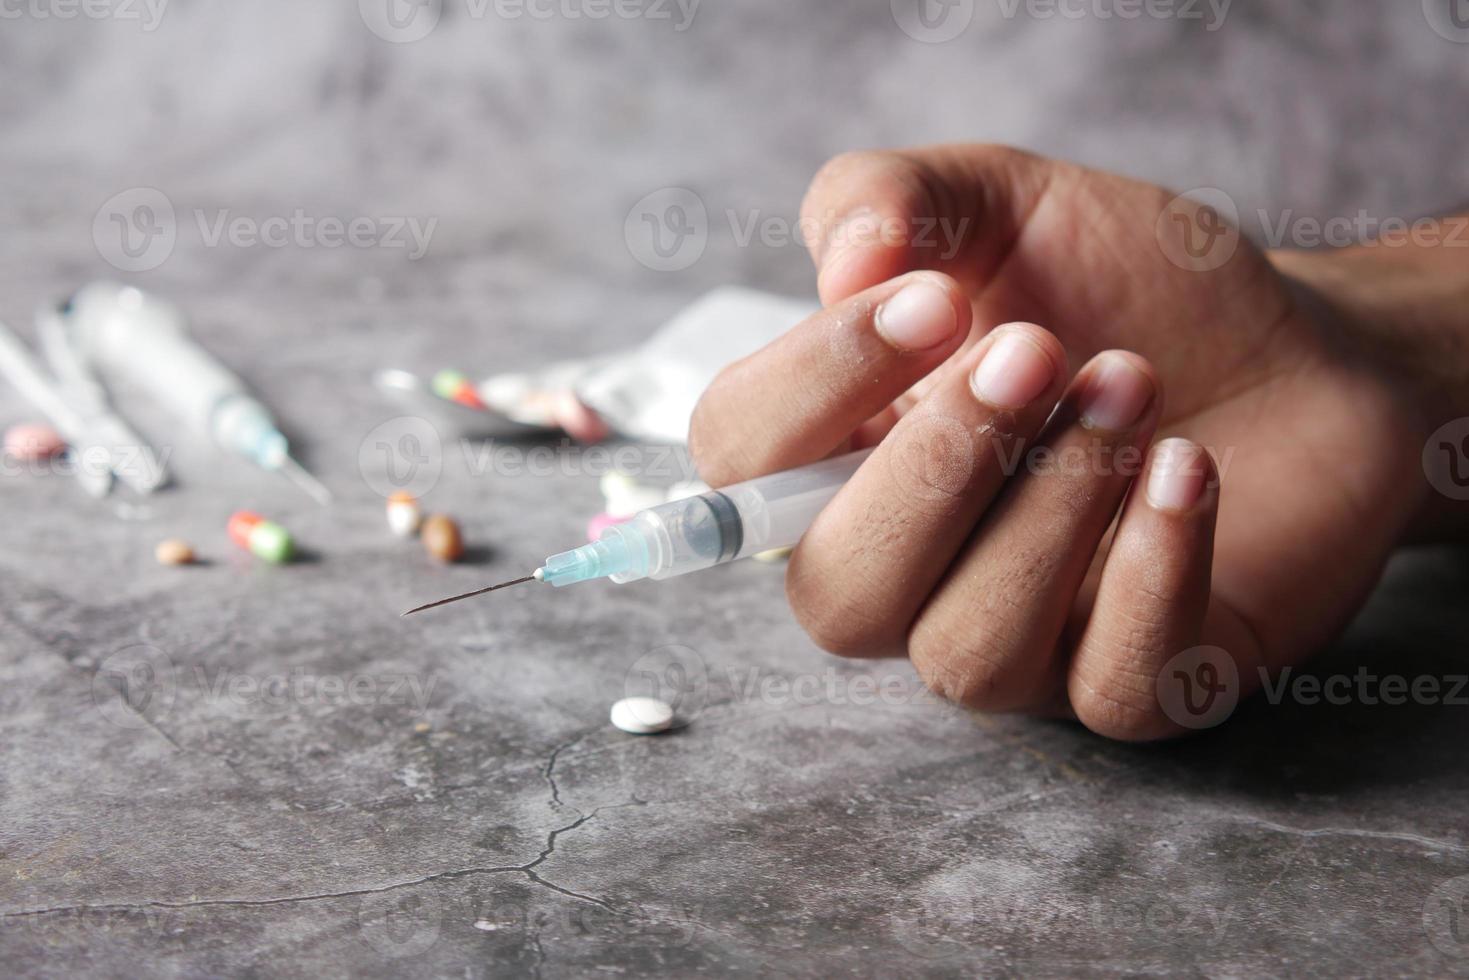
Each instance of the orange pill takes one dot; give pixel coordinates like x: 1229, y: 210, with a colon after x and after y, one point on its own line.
x: 441, y: 538
x: 242, y: 522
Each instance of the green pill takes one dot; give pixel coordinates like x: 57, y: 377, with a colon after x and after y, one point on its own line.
x: 447, y: 384
x: 271, y: 542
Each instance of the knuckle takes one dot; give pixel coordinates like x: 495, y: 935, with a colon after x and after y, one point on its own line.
x: 1118, y: 701
x: 975, y: 670
x: 840, y: 623
x: 887, y: 178
x: 932, y: 460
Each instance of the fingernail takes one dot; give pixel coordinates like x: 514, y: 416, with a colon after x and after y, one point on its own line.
x: 1176, y: 475
x: 1013, y: 373
x: 1116, y: 396
x: 917, y: 317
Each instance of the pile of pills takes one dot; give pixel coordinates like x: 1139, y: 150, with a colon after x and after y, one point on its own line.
x: 264, y: 539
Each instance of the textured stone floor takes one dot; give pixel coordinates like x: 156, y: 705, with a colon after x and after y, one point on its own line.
x: 244, y: 769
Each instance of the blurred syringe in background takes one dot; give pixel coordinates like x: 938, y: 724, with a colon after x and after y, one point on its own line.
x: 142, y: 338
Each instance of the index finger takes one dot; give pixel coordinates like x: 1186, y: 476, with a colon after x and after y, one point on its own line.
x: 801, y: 397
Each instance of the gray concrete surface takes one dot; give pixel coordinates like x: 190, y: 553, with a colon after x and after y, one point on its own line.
x: 298, y: 782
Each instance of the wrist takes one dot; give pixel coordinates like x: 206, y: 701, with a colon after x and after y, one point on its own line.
x: 1406, y: 307
x: 1402, y: 310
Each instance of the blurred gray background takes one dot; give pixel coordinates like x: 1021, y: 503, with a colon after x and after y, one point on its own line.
x: 498, y: 825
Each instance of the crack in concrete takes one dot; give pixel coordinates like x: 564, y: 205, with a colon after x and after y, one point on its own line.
x: 50, y: 643
x: 1390, y: 835
x: 549, y: 772
x: 527, y: 869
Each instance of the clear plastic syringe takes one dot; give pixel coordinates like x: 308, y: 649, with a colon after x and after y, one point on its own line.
x: 698, y: 532
x: 141, y: 337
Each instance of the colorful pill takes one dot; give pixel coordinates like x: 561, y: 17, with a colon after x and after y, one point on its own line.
x: 404, y: 514
x: 32, y: 441
x: 271, y: 542
x: 174, y: 552
x: 441, y: 538
x: 242, y: 522
x: 264, y: 539
x: 454, y: 386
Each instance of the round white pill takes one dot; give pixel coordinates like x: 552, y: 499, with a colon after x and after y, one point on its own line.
x: 404, y: 514
x: 642, y: 716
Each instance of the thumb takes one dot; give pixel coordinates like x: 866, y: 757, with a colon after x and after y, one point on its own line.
x: 957, y: 209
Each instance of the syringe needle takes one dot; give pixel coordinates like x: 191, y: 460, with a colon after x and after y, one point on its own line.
x: 533, y: 576
x: 298, y: 475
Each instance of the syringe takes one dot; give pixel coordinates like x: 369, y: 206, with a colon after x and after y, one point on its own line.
x: 698, y: 532
x: 141, y: 337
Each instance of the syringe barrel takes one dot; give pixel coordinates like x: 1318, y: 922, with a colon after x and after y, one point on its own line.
x: 733, y: 522
x: 142, y: 338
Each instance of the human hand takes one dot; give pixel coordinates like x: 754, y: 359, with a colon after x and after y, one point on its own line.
x: 1004, y: 579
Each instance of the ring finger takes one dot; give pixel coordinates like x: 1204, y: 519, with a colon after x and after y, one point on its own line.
x: 989, y: 635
